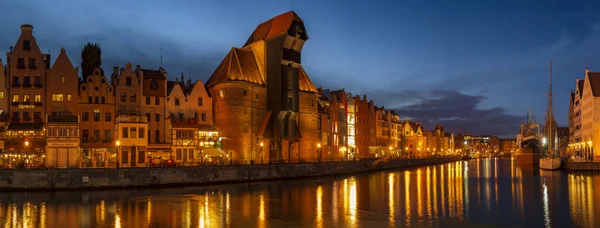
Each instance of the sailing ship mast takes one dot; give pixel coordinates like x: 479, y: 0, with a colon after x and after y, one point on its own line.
x: 550, y: 117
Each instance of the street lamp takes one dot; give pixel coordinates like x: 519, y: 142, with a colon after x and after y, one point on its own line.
x: 261, y: 152
x: 319, y: 152
x: 118, y: 143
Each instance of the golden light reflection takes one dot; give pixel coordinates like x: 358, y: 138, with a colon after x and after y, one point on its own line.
x: 227, y: 205
x: 334, y: 201
x: 353, y: 201
x: 391, y: 200
x: 319, y: 206
x: 117, y: 220
x: 148, y: 212
x: 407, y: 195
x: 428, y: 189
x: 419, y: 194
x: 435, y: 187
x: 43, y: 215
x: 581, y: 198
x: 261, y: 211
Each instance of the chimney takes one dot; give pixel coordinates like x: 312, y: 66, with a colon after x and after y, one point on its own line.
x: 27, y: 29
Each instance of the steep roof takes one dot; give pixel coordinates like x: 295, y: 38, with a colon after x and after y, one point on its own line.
x: 171, y: 85
x: 62, y: 59
x: 304, y: 82
x: 273, y: 27
x: 580, y: 84
x: 238, y: 65
x: 594, y: 78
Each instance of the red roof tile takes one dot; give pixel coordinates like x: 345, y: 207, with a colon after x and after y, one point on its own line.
x: 594, y: 78
x: 273, y: 27
x: 238, y: 65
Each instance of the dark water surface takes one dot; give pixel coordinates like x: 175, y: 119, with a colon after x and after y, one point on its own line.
x: 478, y: 193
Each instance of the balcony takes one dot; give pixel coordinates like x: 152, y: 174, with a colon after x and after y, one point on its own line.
x: 27, y: 102
x: 38, y: 85
x: 15, y: 119
x: 131, y: 119
x: 26, y: 85
x: 26, y: 119
x: 63, y: 119
x: 38, y: 103
x: 38, y: 120
x: 15, y: 103
x: 15, y: 85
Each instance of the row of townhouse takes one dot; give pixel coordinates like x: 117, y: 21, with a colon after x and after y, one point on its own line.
x: 584, y: 130
x: 49, y: 116
x: 260, y: 98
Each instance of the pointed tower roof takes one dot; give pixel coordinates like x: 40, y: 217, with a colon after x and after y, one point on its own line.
x: 274, y: 27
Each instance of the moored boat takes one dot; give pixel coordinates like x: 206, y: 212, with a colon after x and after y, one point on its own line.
x: 551, y: 161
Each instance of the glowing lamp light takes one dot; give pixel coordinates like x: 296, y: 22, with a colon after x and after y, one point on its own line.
x: 261, y: 144
x: 26, y: 143
x: 319, y: 145
x: 118, y: 143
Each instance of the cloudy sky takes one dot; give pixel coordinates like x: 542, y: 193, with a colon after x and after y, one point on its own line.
x: 474, y: 65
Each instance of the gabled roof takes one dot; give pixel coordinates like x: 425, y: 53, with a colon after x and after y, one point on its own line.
x: 594, y: 78
x: 273, y: 27
x: 238, y: 65
x: 171, y: 85
x: 62, y: 59
x: 304, y: 82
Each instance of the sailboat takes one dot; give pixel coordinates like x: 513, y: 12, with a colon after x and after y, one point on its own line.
x: 551, y: 161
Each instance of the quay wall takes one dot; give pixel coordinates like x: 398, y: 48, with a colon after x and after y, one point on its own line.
x: 58, y: 179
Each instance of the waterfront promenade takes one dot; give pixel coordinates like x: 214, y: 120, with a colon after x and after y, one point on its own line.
x: 57, y: 179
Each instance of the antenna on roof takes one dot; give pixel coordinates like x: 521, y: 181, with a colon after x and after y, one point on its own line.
x: 160, y: 57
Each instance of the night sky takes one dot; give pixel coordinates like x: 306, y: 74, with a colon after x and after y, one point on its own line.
x: 477, y: 65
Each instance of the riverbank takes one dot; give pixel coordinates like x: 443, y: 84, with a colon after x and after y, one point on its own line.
x: 63, y: 179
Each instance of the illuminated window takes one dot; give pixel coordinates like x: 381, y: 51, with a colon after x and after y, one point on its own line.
x: 38, y: 98
x: 62, y: 79
x: 69, y: 97
x: 51, y: 132
x: 57, y: 97
x: 15, y: 98
x: 26, y: 98
x: 1, y: 95
x: 96, y: 115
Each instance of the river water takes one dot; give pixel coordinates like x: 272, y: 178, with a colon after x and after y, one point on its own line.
x: 479, y: 193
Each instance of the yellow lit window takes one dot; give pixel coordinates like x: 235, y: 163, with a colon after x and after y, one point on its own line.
x: 69, y: 97
x: 26, y: 98
x: 62, y: 79
x: 15, y: 98
x: 1, y: 95
x: 57, y: 97
x: 38, y: 98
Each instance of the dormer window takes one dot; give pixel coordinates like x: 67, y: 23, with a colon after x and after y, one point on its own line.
x: 128, y: 81
x: 26, y: 45
x: 176, y: 101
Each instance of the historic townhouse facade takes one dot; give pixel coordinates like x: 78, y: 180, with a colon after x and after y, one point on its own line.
x: 154, y: 98
x: 62, y: 109
x: 97, y: 120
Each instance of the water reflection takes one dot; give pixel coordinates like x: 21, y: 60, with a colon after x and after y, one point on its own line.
x: 477, y: 192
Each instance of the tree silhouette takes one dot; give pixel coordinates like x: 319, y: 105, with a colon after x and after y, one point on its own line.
x: 91, y: 58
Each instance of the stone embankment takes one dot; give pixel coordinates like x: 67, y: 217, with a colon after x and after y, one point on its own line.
x: 58, y: 179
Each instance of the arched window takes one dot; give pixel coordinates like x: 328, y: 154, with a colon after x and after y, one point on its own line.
x: 103, y: 100
x: 97, y: 100
x: 89, y: 99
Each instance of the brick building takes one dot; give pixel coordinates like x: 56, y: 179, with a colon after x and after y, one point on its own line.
x: 262, y: 95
